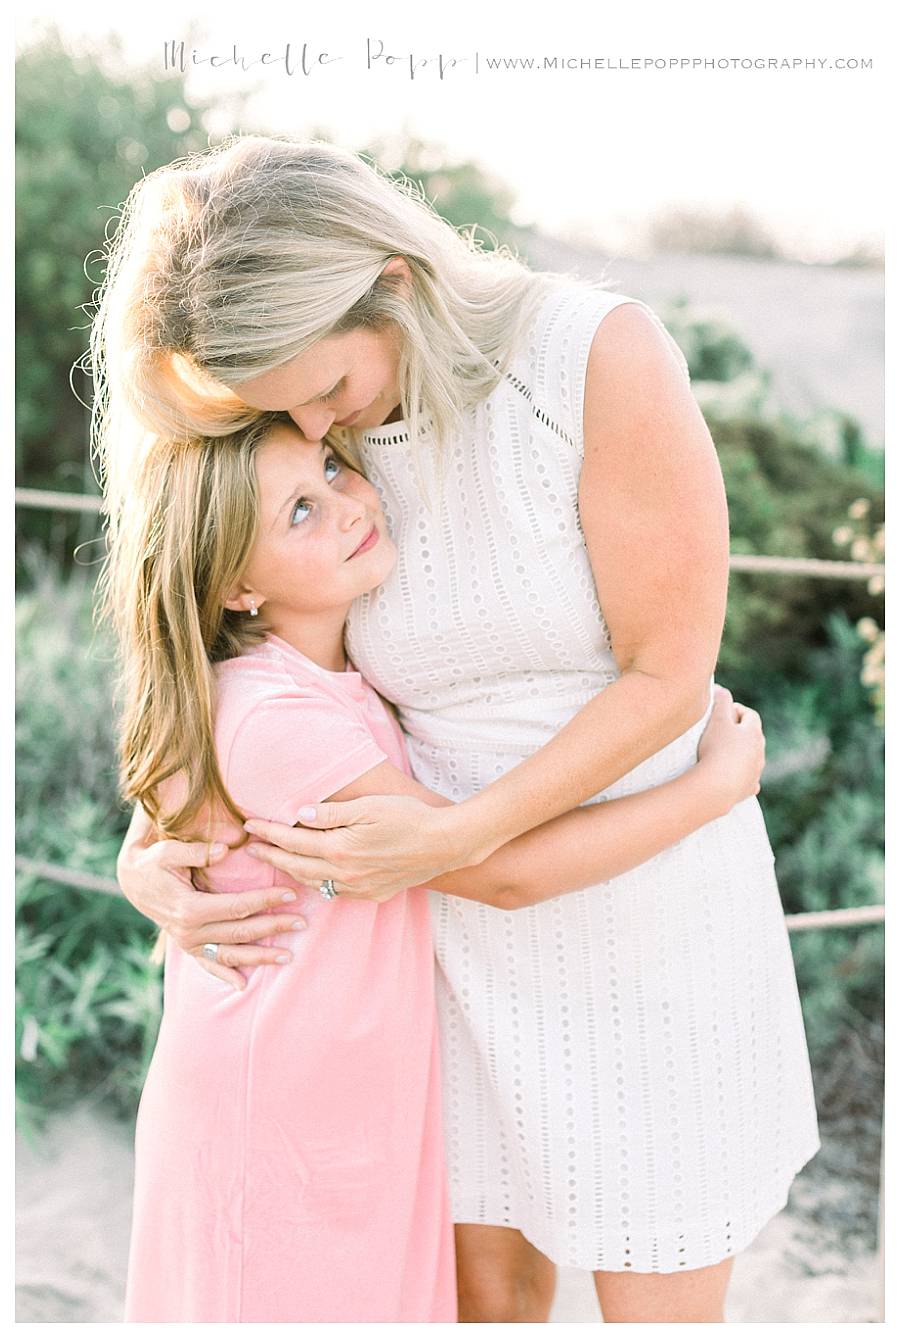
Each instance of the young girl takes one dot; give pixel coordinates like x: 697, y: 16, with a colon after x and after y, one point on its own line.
x: 289, y: 1160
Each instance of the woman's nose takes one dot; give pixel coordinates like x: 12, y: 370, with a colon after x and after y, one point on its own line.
x: 313, y: 422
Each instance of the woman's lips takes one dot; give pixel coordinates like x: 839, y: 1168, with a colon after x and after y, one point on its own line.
x: 348, y: 422
x: 370, y: 541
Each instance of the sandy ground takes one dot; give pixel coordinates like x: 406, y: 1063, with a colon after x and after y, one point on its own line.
x: 73, y: 1191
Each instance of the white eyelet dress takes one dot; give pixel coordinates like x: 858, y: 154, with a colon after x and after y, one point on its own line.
x: 626, y: 1077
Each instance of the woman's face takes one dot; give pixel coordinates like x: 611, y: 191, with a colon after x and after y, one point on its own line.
x: 345, y: 380
x: 322, y: 539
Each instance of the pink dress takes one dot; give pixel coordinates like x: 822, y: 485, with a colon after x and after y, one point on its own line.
x: 289, y: 1151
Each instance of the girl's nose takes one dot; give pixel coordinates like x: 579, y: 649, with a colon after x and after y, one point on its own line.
x: 313, y: 422
x: 352, y: 511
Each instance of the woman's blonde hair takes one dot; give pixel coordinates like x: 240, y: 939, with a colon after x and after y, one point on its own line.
x: 187, y: 528
x: 229, y: 263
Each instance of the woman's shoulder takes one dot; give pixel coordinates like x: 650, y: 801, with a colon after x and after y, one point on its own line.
x: 571, y: 311
x: 569, y: 293
x: 546, y: 372
x: 551, y: 365
x: 554, y: 347
x: 566, y: 305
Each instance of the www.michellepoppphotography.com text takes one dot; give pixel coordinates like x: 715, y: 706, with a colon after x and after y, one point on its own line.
x: 375, y: 56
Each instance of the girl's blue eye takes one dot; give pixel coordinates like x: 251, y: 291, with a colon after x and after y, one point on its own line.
x: 302, y: 507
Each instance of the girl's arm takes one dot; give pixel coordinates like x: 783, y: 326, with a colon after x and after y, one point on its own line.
x: 596, y: 843
x: 653, y: 511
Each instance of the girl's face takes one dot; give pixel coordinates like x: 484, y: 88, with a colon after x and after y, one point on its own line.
x: 322, y: 539
x: 345, y: 380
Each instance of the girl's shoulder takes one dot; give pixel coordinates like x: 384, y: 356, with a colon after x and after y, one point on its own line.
x: 244, y: 683
x: 273, y: 674
x: 289, y: 732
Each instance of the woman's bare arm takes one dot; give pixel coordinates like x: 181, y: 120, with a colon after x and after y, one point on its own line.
x: 655, y: 521
x: 575, y: 850
x: 591, y: 844
x: 653, y: 512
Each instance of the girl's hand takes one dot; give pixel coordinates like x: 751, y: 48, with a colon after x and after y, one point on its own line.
x: 375, y: 847
x: 156, y: 879
x: 732, y: 750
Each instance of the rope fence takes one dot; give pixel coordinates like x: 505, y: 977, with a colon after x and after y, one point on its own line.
x: 90, y: 882
x: 826, y: 569
x: 58, y: 873
x: 38, y: 499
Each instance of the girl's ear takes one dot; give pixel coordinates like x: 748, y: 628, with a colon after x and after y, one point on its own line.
x: 244, y: 601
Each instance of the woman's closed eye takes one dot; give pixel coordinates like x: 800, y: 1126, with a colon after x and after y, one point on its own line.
x: 330, y: 394
x: 303, y: 506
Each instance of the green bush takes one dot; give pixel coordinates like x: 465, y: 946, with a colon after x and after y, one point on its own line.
x: 826, y: 823
x: 714, y: 351
x: 87, y: 997
x: 785, y: 498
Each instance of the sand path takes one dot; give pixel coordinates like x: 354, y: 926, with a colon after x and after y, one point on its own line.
x: 73, y: 1193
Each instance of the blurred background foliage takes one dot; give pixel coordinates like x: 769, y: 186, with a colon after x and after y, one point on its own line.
x: 802, y: 651
x: 84, y: 134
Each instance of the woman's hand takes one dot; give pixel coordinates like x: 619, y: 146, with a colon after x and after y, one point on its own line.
x: 155, y: 876
x: 732, y: 750
x: 375, y: 847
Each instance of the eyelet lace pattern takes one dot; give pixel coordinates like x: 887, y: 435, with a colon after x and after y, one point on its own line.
x: 625, y: 1068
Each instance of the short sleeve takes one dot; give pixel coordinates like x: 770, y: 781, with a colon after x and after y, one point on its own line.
x: 295, y: 749
x: 563, y: 345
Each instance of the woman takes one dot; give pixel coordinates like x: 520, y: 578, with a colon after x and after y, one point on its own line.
x: 312, y: 1190
x: 627, y: 1087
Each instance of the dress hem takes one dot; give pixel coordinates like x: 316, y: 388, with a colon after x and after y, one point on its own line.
x: 467, y: 1215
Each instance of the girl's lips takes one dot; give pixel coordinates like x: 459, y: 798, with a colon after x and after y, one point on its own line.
x: 348, y: 422
x: 370, y: 541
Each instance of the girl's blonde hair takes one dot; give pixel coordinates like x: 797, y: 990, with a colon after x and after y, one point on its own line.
x: 229, y: 263
x: 187, y: 528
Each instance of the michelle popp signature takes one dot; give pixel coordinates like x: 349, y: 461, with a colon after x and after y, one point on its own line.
x: 305, y: 59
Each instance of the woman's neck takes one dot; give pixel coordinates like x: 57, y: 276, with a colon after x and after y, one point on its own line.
x: 319, y: 636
